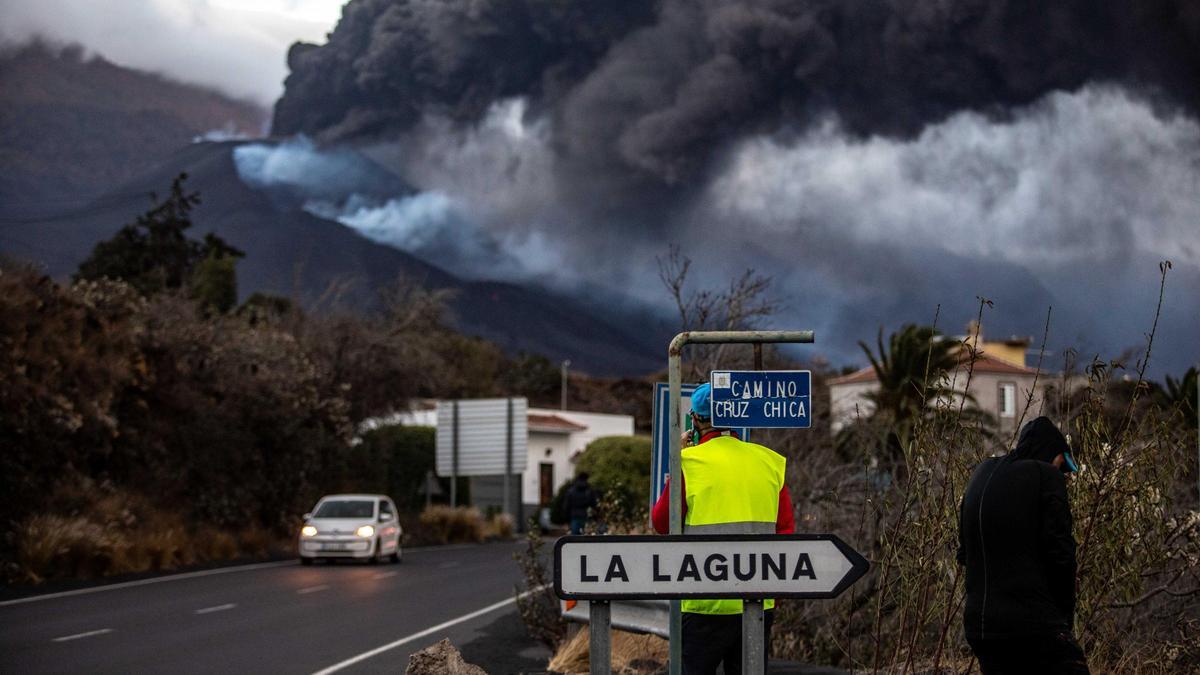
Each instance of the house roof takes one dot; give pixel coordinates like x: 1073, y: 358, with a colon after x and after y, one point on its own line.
x: 983, y: 364
x: 553, y: 424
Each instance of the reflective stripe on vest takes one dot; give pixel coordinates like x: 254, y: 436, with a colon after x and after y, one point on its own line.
x: 731, y: 487
x: 746, y: 527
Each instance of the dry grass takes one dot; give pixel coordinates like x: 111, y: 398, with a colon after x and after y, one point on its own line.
x: 448, y: 525
x: 97, y: 531
x: 632, y: 654
x: 500, y: 526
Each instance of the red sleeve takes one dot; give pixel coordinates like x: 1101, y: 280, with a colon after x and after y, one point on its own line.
x: 660, y: 515
x: 785, y: 522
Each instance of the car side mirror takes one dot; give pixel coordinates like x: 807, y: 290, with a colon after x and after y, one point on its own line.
x: 385, y: 517
x: 308, y: 516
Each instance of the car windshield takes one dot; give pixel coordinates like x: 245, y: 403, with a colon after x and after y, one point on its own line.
x: 345, y: 508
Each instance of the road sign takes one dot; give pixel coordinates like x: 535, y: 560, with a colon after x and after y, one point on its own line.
x: 705, y: 566
x: 474, y: 440
x: 762, y: 398
x: 660, y: 447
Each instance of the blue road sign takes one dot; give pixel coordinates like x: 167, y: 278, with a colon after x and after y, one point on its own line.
x: 660, y: 450
x: 762, y: 399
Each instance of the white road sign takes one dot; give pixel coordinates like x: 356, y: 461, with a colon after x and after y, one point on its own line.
x: 704, y: 566
x: 477, y: 444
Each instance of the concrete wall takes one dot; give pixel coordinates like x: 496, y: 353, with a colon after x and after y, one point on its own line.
x: 848, y: 402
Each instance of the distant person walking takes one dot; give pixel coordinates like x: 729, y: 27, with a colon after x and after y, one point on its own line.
x: 1016, y: 543
x: 580, y: 499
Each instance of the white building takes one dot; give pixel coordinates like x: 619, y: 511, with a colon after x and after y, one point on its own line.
x: 1000, y: 383
x: 556, y: 437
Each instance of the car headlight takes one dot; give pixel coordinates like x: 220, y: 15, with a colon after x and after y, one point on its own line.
x: 308, y: 531
x: 365, y: 531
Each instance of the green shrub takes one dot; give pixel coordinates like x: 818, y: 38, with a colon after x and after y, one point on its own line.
x: 619, y: 469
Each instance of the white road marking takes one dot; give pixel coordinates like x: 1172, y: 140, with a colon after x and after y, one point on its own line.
x: 76, y: 636
x: 146, y: 582
x: 428, y: 631
x: 385, y: 575
x: 199, y: 573
x: 218, y: 608
x: 312, y: 589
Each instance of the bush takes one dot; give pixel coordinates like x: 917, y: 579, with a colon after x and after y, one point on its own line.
x: 449, y: 525
x: 393, y: 460
x: 619, y: 469
x: 500, y: 526
x: 102, y: 531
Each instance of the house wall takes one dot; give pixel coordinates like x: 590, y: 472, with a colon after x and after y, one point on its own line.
x: 848, y: 402
x: 546, y: 447
x: 985, y: 387
x: 563, y: 448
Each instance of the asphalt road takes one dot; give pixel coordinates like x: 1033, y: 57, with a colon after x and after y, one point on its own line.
x: 280, y: 618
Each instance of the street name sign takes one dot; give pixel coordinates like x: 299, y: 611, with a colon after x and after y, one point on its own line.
x: 704, y: 566
x: 660, y: 445
x: 762, y: 399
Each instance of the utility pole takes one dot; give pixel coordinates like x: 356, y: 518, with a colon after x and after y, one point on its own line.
x: 565, y: 364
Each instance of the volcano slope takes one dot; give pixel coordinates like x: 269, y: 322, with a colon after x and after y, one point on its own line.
x: 293, y: 253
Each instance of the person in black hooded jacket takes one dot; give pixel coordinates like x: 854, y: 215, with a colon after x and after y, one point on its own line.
x: 1016, y: 543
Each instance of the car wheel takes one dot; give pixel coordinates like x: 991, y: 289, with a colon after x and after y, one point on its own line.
x: 305, y: 561
x: 395, y: 557
x: 374, y: 559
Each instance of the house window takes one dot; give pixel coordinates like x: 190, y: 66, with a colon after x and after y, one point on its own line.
x: 1008, y: 399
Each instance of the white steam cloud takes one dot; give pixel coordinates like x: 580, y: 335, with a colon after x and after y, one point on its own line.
x: 1068, y: 202
x: 239, y: 47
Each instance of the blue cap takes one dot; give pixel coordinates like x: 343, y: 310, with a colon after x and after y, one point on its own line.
x: 702, y: 401
x: 1069, y: 461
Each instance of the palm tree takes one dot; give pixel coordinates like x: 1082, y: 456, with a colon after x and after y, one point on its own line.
x: 911, y: 370
x: 1181, y: 395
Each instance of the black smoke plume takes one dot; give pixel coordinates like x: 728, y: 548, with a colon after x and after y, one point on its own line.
x: 658, y: 89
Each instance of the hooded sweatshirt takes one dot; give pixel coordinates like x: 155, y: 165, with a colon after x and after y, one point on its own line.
x: 1016, y: 543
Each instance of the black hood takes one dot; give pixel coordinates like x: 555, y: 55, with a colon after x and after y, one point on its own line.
x: 1040, y: 440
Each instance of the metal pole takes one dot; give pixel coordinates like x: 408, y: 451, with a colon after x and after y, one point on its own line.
x: 508, y: 452
x: 754, y: 653
x: 754, y: 657
x: 674, y: 378
x: 599, y: 638
x: 563, y: 400
x: 454, y: 458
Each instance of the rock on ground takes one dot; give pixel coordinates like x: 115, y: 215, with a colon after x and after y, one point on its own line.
x: 441, y: 659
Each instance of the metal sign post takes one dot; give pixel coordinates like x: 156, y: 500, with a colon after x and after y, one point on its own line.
x: 675, y: 377
x: 454, y: 461
x: 600, y: 638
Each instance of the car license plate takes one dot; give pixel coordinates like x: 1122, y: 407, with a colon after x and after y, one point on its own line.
x: 334, y: 547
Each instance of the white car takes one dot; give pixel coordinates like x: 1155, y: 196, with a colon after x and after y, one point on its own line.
x: 360, y: 527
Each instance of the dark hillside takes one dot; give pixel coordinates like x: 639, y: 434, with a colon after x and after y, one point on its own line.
x: 293, y: 253
x: 72, y: 127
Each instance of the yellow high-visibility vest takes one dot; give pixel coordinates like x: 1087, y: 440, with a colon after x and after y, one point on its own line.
x: 731, y: 487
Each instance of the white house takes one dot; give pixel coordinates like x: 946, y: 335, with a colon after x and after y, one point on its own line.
x: 1000, y: 383
x: 556, y: 437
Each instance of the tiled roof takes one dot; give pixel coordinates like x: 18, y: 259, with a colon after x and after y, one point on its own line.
x: 553, y: 424
x: 984, y: 364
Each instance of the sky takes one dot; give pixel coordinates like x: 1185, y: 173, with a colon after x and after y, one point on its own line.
x: 914, y: 192
x: 236, y: 46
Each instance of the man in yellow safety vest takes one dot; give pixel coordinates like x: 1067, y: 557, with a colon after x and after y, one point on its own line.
x: 729, y: 487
